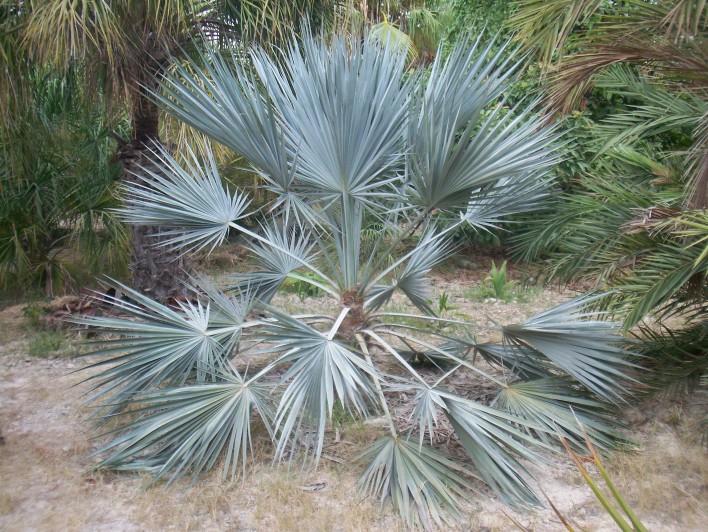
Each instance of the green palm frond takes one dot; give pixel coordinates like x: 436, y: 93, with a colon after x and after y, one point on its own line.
x: 425, y: 28
x: 544, y: 26
x: 677, y: 359
x: 694, y: 225
x: 189, y: 197
x: 658, y: 280
x: 659, y: 110
x: 424, y: 486
x: 390, y: 36
x: 586, y: 349
x: 187, y: 430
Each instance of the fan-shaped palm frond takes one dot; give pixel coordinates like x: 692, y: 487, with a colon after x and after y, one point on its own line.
x: 454, y: 149
x: 166, y: 346
x: 190, y: 197
x: 280, y: 252
x: 322, y: 368
x: 187, y: 430
x: 423, y: 485
x: 492, y: 442
x: 581, y: 347
x: 557, y: 406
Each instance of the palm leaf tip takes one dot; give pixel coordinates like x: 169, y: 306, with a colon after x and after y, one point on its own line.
x: 186, y: 430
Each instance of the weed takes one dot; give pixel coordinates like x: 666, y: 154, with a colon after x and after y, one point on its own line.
x: 500, y: 284
x: 45, y: 344
x: 303, y: 288
x: 444, y: 305
x: 34, y: 312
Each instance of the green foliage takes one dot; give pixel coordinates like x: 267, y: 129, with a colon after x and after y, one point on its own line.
x: 56, y: 189
x: 636, y: 187
x: 303, y: 287
x: 43, y: 344
x: 498, y: 280
x: 444, y: 304
x: 424, y: 158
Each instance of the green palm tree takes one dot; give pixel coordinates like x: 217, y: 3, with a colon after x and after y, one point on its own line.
x: 634, y: 219
x: 126, y: 47
x: 57, y: 186
x: 341, y: 132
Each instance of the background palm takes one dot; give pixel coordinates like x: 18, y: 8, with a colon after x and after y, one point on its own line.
x: 124, y: 47
x: 634, y: 217
x: 339, y: 132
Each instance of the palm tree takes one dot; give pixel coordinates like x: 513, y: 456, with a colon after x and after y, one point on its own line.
x: 126, y: 47
x: 636, y: 218
x: 341, y: 132
x: 57, y: 187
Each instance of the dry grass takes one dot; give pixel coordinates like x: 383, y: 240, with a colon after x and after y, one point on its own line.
x: 667, y: 478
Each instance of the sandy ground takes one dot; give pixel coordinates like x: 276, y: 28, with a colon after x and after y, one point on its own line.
x: 46, y: 481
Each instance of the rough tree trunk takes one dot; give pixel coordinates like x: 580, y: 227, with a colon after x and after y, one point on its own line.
x: 156, y: 271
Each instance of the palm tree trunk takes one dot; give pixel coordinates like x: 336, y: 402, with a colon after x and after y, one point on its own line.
x: 157, y: 272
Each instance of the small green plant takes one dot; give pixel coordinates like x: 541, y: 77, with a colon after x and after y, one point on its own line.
x: 34, y: 312
x: 502, y: 286
x: 444, y: 305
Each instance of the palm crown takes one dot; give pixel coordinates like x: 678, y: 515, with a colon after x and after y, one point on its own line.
x: 343, y: 135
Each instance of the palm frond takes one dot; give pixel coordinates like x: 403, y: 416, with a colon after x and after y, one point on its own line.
x: 322, y: 370
x: 586, y: 349
x: 554, y: 404
x: 190, y: 198
x: 392, y: 37
x: 677, y: 359
x: 282, y: 250
x: 157, y: 346
x: 429, y: 252
x: 492, y: 442
x: 187, y: 430
x: 544, y: 26
x: 424, y: 486
x: 491, y: 206
x: 455, y: 150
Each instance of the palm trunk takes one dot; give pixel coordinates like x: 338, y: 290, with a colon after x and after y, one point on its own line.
x: 157, y: 272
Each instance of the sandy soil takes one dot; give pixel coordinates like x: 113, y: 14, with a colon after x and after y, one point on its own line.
x: 46, y: 481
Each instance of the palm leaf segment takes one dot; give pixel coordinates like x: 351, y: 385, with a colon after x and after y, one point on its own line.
x: 324, y: 124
